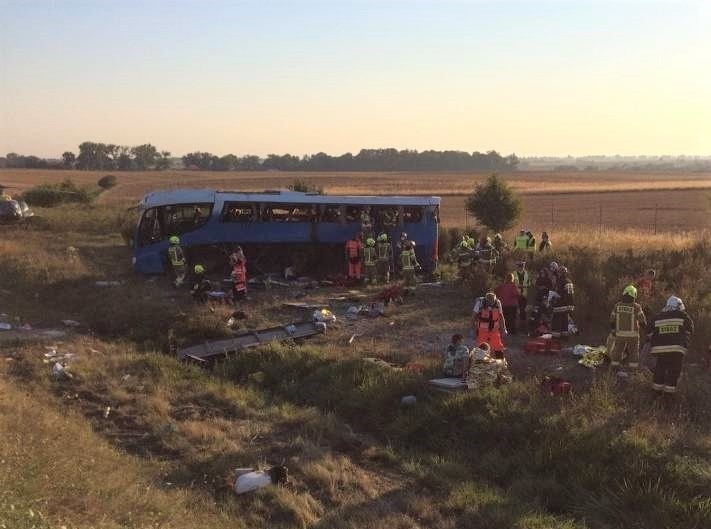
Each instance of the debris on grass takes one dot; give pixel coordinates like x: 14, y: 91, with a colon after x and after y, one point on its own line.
x: 71, y: 323
x: 5, y: 327
x: 248, y: 479
x: 324, y: 316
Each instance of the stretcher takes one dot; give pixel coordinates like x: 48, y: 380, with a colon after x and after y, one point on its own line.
x: 203, y: 352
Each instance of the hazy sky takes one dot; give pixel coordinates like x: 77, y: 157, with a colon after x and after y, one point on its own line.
x: 306, y: 76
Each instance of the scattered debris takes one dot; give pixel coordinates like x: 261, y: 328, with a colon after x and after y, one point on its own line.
x: 248, y: 480
x: 556, y: 386
x: 108, y: 283
x: 5, y: 327
x: 382, y: 363
x: 71, y: 323
x: 324, y: 315
x: 107, y: 411
x: 408, y: 400
x: 215, y: 348
x: 542, y: 346
x: 448, y: 385
x: 26, y: 327
x: 59, y: 372
x: 435, y: 284
x: 351, y: 339
x: 303, y: 305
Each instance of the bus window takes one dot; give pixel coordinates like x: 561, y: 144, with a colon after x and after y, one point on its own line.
x: 353, y: 213
x: 412, y: 214
x: 435, y: 214
x: 149, y: 230
x: 238, y: 212
x: 331, y: 213
x: 290, y: 213
x: 181, y: 218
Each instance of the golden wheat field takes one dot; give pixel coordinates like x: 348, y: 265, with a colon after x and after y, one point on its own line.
x: 552, y: 200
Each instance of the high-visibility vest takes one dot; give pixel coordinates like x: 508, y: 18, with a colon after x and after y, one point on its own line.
x: 408, y: 260
x: 521, y: 242
x: 489, y: 319
x: 369, y: 256
x: 175, y: 253
x: 522, y: 285
x: 384, y: 250
x: 353, y: 248
x: 627, y: 317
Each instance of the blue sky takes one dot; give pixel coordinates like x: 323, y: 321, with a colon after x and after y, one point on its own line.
x: 525, y: 77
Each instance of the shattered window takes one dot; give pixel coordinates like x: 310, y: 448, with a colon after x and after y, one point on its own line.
x: 290, y: 213
x: 412, y: 214
x: 239, y: 212
x: 149, y: 230
x: 332, y: 213
x: 180, y: 218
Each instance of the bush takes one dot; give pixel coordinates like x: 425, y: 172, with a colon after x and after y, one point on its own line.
x: 303, y: 186
x: 106, y: 182
x: 51, y: 195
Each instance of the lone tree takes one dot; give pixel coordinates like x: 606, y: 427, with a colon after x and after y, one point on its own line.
x: 494, y: 204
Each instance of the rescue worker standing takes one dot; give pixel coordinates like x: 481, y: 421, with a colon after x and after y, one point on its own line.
x: 521, y: 241
x: 369, y: 260
x: 545, y: 244
x: 530, y: 245
x: 626, y: 319
x: 523, y: 283
x: 408, y: 264
x: 177, y: 260
x: 670, y: 333
x: 499, y: 244
x: 239, y: 274
x: 488, y: 323
x: 508, y: 294
x: 563, y: 304
x: 464, y: 259
x: 486, y: 253
x: 354, y: 255
x: 385, y: 256
x: 366, y: 222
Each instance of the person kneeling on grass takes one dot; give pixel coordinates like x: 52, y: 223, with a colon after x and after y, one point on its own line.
x: 457, y: 358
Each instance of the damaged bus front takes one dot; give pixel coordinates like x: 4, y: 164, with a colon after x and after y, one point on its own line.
x: 276, y: 229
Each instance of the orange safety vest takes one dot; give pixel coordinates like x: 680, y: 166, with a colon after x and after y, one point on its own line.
x: 489, y: 319
x: 353, y: 248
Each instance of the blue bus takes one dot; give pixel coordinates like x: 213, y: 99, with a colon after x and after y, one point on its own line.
x: 275, y: 228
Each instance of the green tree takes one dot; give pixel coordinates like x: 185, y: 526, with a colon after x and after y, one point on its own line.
x: 144, y: 156
x: 69, y: 159
x: 163, y: 160
x: 494, y: 204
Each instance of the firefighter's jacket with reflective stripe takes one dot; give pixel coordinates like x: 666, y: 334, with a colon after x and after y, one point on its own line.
x: 408, y: 260
x: 564, y: 302
x: 175, y: 254
x: 670, y: 332
x: 385, y: 251
x: 627, y: 318
x: 369, y: 256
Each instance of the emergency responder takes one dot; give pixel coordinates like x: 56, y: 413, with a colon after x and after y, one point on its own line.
x: 523, y: 282
x: 670, y: 333
x: 500, y: 244
x: 626, y: 320
x: 239, y: 274
x: 464, y: 257
x: 489, y: 323
x: 508, y: 294
x: 486, y: 253
x: 408, y: 264
x: 399, y: 247
x: 530, y: 245
x: 177, y: 260
x: 369, y: 261
x: 457, y: 358
x: 545, y: 244
x: 563, y: 304
x: 3, y: 195
x: 384, y: 251
x: 521, y: 241
x: 388, y: 219
x: 354, y: 257
x: 645, y: 283
x: 201, y: 285
x: 366, y: 222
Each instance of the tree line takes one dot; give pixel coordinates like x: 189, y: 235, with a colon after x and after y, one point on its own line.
x: 107, y: 156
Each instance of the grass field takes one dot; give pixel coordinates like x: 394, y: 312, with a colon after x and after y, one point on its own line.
x: 628, y: 200
x: 609, y: 456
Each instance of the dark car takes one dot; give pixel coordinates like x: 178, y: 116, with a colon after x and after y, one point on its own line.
x: 14, y: 212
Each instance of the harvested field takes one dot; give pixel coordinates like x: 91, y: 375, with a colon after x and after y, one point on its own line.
x: 628, y: 200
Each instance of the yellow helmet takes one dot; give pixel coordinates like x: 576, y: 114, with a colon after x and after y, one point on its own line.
x: 199, y: 269
x: 174, y: 240
x: 630, y: 290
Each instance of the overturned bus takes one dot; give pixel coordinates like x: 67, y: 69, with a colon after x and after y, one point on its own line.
x: 275, y: 228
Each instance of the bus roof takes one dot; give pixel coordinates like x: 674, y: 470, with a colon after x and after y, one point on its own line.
x: 195, y: 196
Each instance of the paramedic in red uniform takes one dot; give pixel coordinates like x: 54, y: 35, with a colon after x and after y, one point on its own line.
x: 239, y: 274
x: 489, y: 323
x: 354, y: 256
